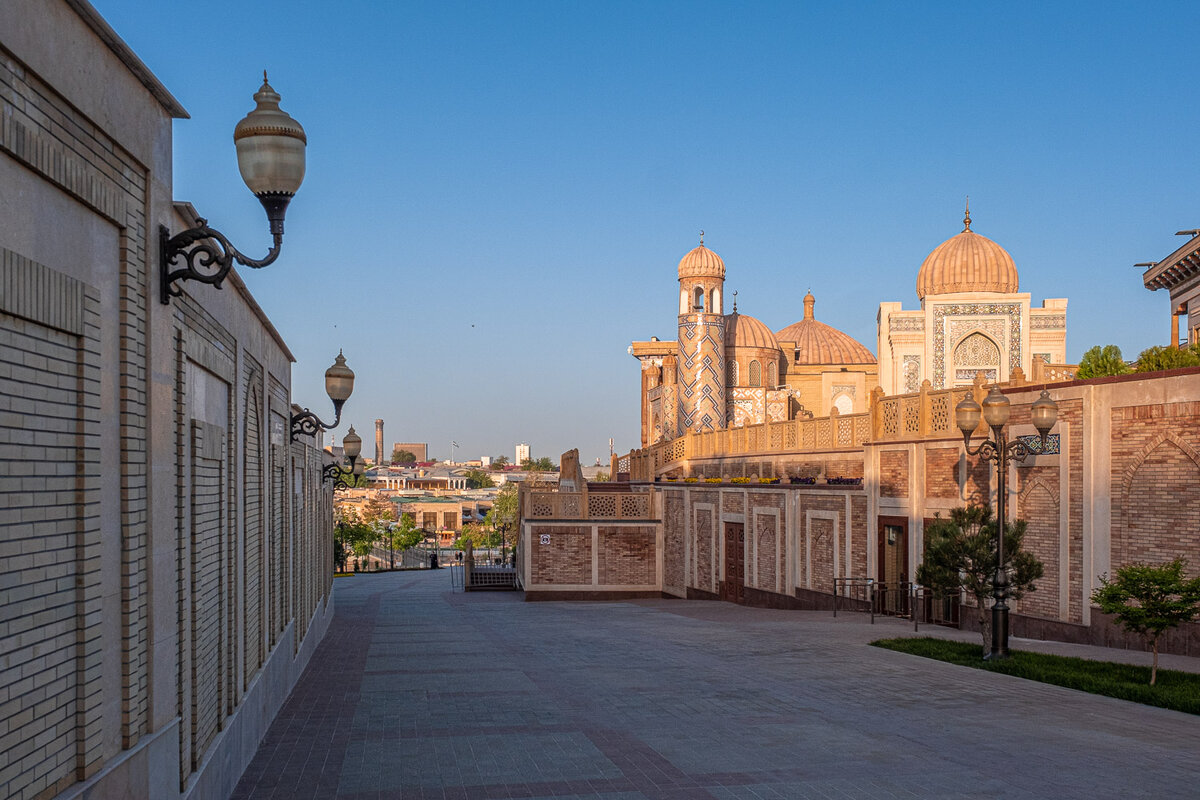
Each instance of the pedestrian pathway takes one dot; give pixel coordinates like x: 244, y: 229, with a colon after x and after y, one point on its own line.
x: 419, y: 692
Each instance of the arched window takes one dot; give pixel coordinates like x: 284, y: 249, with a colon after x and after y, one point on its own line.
x: 976, y: 353
x: 772, y: 375
x: 698, y: 299
x: 732, y: 372
x: 755, y: 373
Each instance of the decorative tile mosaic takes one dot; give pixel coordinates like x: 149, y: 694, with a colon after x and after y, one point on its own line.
x: 912, y: 374
x: 911, y: 324
x: 1034, y: 443
x: 944, y: 320
x: 1039, y: 323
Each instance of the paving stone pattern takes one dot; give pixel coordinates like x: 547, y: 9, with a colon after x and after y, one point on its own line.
x: 418, y: 692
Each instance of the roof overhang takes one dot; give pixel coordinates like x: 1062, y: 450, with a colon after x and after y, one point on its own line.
x: 652, y: 349
x: 1180, y: 266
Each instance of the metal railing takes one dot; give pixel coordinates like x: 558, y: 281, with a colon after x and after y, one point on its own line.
x: 893, y: 599
x: 933, y: 608
x: 858, y: 590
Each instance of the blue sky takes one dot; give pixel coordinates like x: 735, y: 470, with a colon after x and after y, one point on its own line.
x: 498, y: 193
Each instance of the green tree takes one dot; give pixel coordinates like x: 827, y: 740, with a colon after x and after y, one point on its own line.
x: 400, y: 456
x: 1150, y: 600
x: 478, y: 479
x: 478, y: 535
x: 402, y: 536
x: 1154, y: 359
x: 502, y: 517
x: 960, y: 555
x: 1100, y: 362
x: 543, y: 464
x: 499, y: 463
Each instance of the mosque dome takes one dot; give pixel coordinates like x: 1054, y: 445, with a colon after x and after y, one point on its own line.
x: 967, y: 262
x: 818, y: 343
x: 701, y: 263
x: 745, y: 331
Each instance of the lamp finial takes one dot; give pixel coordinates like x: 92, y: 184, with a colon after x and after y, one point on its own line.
x: 967, y: 216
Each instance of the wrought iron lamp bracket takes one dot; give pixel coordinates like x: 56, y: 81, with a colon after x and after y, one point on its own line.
x: 206, y: 255
x: 306, y: 423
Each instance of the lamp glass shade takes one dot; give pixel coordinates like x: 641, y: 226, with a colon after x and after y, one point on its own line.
x: 1044, y: 413
x: 996, y: 408
x: 351, y: 444
x: 966, y: 415
x: 270, y: 146
x: 360, y: 467
x: 339, y: 380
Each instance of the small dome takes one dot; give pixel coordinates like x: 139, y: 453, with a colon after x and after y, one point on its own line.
x: 744, y: 331
x: 967, y: 262
x: 701, y: 263
x: 818, y: 343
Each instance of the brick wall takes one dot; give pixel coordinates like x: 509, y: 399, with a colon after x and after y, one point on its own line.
x: 49, y: 566
x: 567, y: 559
x: 673, y: 529
x: 893, y: 473
x: 627, y: 555
x: 1155, y: 478
x: 1038, y: 505
x: 941, y: 472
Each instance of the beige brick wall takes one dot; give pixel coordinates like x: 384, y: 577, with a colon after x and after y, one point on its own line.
x: 627, y: 555
x: 567, y: 559
x: 893, y: 473
x: 1038, y: 505
x: 1155, y: 479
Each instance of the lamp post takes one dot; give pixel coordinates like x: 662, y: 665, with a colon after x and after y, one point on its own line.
x: 270, y: 152
x: 339, y: 384
x: 996, y: 409
x: 351, y: 446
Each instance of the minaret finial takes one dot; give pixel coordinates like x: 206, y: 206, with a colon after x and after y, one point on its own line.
x: 264, y: 76
x: 735, y: 301
x: 702, y: 238
x: 967, y: 216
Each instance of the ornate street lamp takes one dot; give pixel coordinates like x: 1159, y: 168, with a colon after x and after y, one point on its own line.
x: 351, y: 447
x: 995, y: 411
x: 339, y: 384
x: 270, y: 152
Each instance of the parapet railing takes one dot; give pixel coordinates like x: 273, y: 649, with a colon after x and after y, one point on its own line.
x: 587, y: 505
x: 925, y: 414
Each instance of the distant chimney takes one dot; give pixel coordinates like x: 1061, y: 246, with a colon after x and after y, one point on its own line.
x: 378, y: 442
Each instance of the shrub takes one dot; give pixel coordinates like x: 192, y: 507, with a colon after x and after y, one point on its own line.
x: 1149, y: 600
x: 1100, y: 362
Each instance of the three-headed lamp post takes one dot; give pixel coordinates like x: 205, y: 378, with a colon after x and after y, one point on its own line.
x: 995, y: 412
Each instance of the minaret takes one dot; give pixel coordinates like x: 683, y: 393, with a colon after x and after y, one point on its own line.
x: 701, y: 361
x: 378, y: 442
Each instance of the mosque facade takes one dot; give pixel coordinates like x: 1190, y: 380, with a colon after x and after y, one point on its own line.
x: 730, y: 370
x: 973, y: 318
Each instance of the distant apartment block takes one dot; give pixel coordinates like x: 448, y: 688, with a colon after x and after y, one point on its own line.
x: 522, y: 453
x: 418, y: 449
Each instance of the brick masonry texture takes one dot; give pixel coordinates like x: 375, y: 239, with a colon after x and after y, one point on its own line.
x: 941, y: 472
x: 627, y: 555
x: 245, y: 538
x: 1155, y: 479
x: 673, y: 566
x: 567, y: 559
x: 1038, y: 505
x: 893, y: 473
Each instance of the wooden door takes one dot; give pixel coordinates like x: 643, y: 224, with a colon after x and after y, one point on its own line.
x: 892, y: 574
x: 733, y: 588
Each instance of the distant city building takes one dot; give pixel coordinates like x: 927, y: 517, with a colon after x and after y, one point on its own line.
x: 379, y: 454
x: 418, y: 449
x: 522, y: 453
x: 485, y: 461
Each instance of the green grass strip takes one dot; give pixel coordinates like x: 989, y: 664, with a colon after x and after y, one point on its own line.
x: 1178, y: 691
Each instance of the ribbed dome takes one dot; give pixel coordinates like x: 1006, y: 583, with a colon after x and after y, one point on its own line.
x: 701, y: 263
x: 744, y: 331
x: 818, y: 343
x: 967, y: 262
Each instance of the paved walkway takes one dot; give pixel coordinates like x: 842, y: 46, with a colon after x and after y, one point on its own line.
x: 417, y: 692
